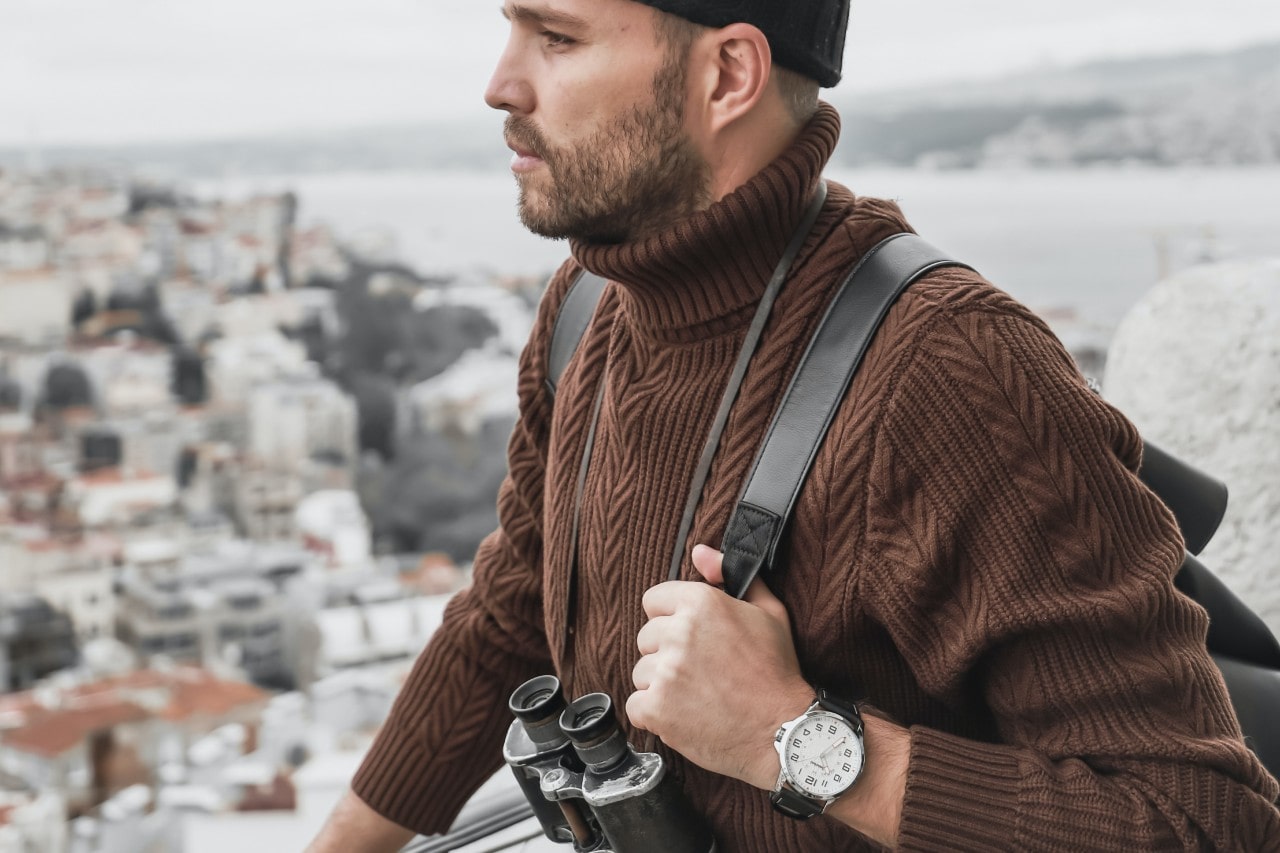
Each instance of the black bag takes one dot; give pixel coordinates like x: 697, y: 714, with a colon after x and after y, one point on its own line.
x: 1242, y: 646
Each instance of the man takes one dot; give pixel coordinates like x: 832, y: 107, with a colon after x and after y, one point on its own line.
x: 970, y: 555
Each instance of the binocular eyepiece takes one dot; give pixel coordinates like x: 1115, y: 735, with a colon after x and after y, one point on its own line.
x: 587, y: 785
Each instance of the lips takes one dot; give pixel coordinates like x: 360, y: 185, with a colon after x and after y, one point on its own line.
x: 523, y: 160
x: 522, y: 140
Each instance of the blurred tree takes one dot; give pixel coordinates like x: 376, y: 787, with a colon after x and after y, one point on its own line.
x: 85, y: 306
x: 187, y: 379
x: 66, y: 386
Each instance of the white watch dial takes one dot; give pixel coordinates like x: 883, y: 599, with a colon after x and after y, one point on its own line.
x: 821, y: 755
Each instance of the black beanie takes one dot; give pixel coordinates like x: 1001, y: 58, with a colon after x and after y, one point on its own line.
x: 805, y: 35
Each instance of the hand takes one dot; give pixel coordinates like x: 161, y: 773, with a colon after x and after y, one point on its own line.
x: 717, y: 676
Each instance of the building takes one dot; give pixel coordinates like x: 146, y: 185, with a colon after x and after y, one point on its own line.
x: 234, y: 605
x: 23, y: 247
x: 332, y: 524
x: 92, y: 739
x: 37, y: 305
x: 74, y: 575
x: 35, y: 640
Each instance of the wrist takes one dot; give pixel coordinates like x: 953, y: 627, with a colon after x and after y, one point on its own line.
x: 792, y: 703
x: 821, y: 755
x: 874, y: 805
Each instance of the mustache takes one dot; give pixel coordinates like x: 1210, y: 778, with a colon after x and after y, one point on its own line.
x: 522, y: 133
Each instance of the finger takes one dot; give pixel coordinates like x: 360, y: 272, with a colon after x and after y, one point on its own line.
x: 666, y: 598
x: 642, y: 673
x: 710, y: 564
x: 637, y: 710
x: 759, y: 594
x: 649, y: 638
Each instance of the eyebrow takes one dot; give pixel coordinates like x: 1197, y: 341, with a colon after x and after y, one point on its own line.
x: 544, y: 17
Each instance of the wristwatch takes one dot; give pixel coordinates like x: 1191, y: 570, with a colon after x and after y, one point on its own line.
x: 821, y: 754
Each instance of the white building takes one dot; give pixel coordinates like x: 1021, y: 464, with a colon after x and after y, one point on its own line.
x: 73, y: 574
x: 34, y: 820
x: 37, y: 305
x: 76, y: 579
x: 480, y: 385
x: 25, y: 248
x: 295, y: 422
x: 332, y: 523
x: 114, y: 497
x: 237, y: 364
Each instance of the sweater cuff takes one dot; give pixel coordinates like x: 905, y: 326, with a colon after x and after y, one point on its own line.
x: 961, y: 794
x: 422, y: 784
x: 428, y: 806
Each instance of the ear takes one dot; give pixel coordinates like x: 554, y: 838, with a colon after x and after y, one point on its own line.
x: 735, y: 73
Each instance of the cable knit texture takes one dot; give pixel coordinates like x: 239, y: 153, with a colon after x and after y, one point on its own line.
x: 972, y: 552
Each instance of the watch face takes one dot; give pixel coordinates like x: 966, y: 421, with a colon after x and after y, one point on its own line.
x: 821, y: 755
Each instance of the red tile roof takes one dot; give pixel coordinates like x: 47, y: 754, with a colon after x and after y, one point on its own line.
x: 56, y: 731
x: 80, y: 711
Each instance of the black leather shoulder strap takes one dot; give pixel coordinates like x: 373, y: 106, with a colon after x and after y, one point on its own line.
x: 575, y: 314
x: 755, y: 529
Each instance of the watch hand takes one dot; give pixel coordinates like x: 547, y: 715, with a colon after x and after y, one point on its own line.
x: 835, y: 746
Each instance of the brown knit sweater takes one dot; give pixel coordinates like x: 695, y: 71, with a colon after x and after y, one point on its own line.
x: 972, y: 552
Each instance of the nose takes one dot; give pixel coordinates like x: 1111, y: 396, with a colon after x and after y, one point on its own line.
x: 509, y: 88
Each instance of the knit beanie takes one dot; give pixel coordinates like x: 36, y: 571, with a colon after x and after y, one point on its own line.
x: 806, y: 36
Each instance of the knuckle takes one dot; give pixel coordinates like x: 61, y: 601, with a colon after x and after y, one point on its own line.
x: 646, y: 601
x: 636, y: 711
x: 704, y: 594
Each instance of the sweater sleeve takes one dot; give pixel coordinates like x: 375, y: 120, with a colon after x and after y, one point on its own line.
x: 1019, y: 560
x: 444, y: 734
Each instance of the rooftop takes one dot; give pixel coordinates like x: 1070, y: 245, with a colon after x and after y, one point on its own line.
x: 49, y: 721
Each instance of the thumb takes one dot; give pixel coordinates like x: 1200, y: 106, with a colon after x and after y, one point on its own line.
x: 710, y: 563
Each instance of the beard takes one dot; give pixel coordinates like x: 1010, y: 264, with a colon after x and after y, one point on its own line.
x: 632, y: 178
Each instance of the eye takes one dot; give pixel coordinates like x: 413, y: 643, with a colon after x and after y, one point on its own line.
x: 554, y: 39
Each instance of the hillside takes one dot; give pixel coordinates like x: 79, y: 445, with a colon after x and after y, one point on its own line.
x: 1214, y: 109
x: 1217, y: 109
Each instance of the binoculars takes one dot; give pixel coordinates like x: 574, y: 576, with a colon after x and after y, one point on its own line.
x: 590, y: 788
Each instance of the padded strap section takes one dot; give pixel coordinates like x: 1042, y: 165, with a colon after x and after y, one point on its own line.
x: 576, y: 311
x: 1234, y: 629
x: 1255, y: 695
x: 747, y: 350
x: 826, y: 369
x: 1196, y: 500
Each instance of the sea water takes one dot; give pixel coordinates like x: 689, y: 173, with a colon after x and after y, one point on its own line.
x: 1080, y: 245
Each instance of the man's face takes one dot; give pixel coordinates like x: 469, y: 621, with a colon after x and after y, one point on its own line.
x: 595, y: 118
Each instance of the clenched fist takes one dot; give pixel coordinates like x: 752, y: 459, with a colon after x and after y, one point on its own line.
x: 717, y: 676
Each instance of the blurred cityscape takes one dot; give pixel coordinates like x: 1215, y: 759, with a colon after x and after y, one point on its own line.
x: 244, y: 462
x: 240, y: 466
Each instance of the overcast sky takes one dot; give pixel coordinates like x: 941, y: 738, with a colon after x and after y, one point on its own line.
x: 76, y: 71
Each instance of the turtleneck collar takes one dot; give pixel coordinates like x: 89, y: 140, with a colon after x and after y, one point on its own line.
x: 703, y: 275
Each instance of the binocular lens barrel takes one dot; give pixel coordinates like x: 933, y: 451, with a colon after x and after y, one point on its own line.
x: 537, y: 704
x: 537, y: 699
x: 591, y: 726
x: 589, y: 719
x: 587, y: 785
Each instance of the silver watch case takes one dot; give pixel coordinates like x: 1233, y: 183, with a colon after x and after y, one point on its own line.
x: 820, y: 755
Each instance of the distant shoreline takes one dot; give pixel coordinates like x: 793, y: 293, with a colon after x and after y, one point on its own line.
x: 1080, y: 242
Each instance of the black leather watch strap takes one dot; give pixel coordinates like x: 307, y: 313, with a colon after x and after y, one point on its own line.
x: 794, y: 805
x: 844, y: 708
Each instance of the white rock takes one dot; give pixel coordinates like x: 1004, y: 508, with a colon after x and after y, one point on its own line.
x: 1196, y: 366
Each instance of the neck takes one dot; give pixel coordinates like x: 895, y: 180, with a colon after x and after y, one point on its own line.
x: 703, y: 275
x: 741, y: 149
